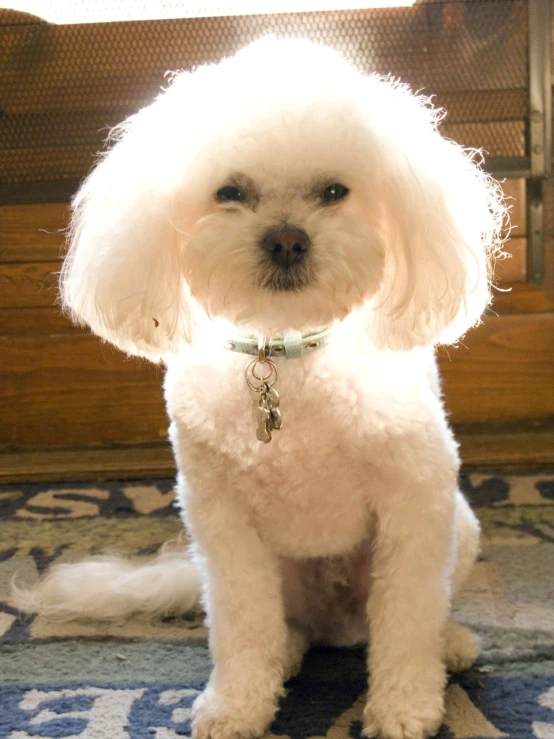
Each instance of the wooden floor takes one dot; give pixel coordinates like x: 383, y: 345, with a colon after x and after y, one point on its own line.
x: 517, y: 446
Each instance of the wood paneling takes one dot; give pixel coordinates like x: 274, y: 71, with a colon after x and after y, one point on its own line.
x: 32, y: 242
x: 513, y: 267
x: 32, y: 233
x: 520, y: 298
x: 504, y: 371
x: 39, y: 321
x: 516, y: 199
x: 60, y: 386
x: 36, y: 232
x: 29, y: 284
x: 73, y: 389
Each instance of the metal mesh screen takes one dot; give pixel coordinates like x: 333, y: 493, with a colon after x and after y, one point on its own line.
x: 62, y: 86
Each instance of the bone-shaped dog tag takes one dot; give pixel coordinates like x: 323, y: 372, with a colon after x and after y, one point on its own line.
x: 263, y: 417
x: 273, y: 403
x: 275, y: 419
x: 261, y: 376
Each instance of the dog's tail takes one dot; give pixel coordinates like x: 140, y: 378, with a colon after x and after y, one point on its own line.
x: 114, y: 588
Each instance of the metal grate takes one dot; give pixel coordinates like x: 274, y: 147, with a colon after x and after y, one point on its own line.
x: 63, y: 86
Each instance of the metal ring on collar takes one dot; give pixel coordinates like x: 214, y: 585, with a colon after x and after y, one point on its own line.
x: 251, y: 372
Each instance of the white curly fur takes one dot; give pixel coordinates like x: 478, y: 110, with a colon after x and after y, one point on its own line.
x: 351, y: 518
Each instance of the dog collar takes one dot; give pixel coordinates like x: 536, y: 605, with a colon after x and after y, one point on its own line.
x: 261, y: 373
x: 292, y: 345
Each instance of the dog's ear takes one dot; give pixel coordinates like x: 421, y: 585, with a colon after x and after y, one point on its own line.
x: 441, y: 221
x: 122, y: 275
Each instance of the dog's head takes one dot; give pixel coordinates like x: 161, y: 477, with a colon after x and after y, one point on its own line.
x: 281, y: 189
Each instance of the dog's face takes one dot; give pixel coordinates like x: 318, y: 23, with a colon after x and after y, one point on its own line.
x: 281, y: 189
x: 286, y: 231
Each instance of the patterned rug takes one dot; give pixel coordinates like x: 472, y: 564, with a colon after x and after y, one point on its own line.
x: 138, y: 680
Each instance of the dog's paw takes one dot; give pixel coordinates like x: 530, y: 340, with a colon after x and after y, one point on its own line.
x: 461, y: 647
x: 392, y: 716
x: 222, y: 717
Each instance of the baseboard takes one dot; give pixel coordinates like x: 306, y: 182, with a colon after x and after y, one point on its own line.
x: 521, y: 445
x: 514, y: 445
x: 96, y: 463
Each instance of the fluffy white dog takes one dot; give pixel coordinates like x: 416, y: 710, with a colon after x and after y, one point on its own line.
x: 282, y: 194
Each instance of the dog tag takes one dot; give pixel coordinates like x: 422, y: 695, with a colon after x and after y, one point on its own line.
x: 261, y: 376
x: 263, y: 417
x: 272, y: 397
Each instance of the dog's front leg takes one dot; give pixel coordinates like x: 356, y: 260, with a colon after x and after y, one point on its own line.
x: 248, y: 634
x: 407, y: 609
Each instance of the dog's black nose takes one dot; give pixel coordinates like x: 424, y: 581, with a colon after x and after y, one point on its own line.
x: 287, y: 245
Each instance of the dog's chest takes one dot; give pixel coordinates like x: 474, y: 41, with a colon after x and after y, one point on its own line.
x: 309, y: 490
x: 309, y: 498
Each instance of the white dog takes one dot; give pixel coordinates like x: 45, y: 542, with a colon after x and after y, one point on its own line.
x: 283, y: 204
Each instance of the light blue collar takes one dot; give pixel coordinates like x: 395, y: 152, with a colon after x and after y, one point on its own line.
x: 292, y: 345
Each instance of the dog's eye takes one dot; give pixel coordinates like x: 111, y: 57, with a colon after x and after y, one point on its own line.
x: 230, y: 194
x: 334, y: 192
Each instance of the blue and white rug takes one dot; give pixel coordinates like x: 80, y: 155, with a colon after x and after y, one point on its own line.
x: 138, y: 680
